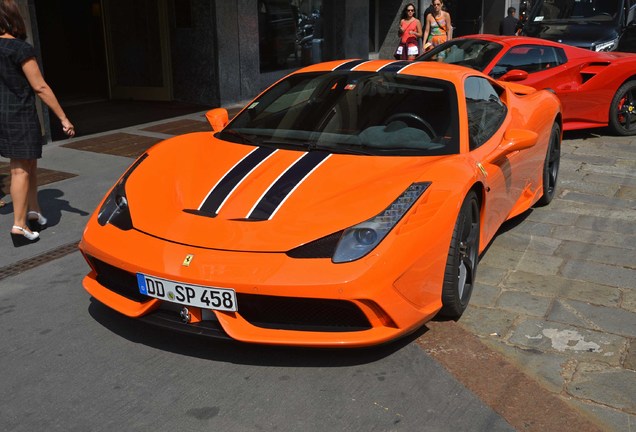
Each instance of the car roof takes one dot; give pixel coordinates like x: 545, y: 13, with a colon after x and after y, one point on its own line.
x: 442, y: 71
x: 572, y: 51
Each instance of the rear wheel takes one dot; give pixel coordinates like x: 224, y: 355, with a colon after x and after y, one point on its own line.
x: 622, y: 118
x: 463, y: 256
x: 551, y: 166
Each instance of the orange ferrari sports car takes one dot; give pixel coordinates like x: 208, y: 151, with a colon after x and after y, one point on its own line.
x: 596, y: 89
x: 345, y: 206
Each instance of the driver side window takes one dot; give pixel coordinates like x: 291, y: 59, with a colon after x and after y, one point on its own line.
x: 529, y: 58
x: 485, y: 110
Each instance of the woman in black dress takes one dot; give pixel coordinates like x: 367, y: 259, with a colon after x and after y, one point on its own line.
x: 20, y: 132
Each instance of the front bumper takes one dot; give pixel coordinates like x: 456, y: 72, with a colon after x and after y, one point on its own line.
x: 281, y: 300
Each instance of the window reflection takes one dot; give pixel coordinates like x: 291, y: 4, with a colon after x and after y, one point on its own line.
x: 289, y: 33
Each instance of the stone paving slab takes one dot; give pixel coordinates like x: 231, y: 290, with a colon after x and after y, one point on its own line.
x: 563, y: 288
x: 605, y: 386
x: 629, y: 300
x: 524, y: 303
x: 118, y: 144
x: 605, y: 224
x: 598, y: 200
x: 588, y: 187
x: 179, y: 127
x: 581, y: 344
x: 627, y: 192
x: 611, y: 179
x: 599, y: 273
x: 601, y: 318
x: 550, y: 216
x: 45, y: 176
x: 535, y: 244
x: 618, y: 420
x: 595, y: 238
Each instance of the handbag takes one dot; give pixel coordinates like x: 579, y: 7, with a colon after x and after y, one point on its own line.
x: 400, y: 51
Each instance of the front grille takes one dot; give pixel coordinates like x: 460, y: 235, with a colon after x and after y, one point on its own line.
x: 291, y: 313
x: 117, y: 280
x: 288, y: 313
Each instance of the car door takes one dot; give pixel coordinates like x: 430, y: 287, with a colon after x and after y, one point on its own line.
x: 548, y: 67
x: 488, y: 119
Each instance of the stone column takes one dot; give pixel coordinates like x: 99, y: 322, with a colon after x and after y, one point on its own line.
x: 346, y: 29
x: 237, y: 62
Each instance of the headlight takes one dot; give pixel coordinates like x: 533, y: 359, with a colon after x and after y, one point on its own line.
x: 115, y: 208
x: 360, y: 239
x: 607, y: 46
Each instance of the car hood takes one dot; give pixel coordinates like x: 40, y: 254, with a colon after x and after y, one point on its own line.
x: 196, y: 190
x: 582, y: 35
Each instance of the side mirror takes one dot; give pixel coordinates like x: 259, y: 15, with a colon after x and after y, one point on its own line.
x: 513, y: 140
x: 218, y: 118
x: 514, y: 75
x: 518, y: 139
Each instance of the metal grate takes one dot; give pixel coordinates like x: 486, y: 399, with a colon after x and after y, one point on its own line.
x: 38, y: 260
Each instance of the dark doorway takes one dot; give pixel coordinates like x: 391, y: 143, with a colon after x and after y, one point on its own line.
x: 467, y: 19
x: 73, y: 53
x: 74, y: 61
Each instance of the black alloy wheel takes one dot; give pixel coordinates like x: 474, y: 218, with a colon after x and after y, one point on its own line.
x: 622, y: 119
x: 463, y: 257
x: 551, y: 166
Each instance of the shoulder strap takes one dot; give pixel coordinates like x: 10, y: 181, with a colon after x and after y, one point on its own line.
x: 438, y: 24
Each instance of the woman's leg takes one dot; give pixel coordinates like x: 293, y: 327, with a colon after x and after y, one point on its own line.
x: 21, y: 170
x: 32, y: 198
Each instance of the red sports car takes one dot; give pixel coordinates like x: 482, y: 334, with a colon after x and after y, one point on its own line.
x: 596, y: 88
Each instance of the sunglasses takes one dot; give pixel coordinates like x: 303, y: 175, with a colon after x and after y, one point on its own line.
x: 410, y: 10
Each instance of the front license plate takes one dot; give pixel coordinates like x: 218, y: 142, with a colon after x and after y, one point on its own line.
x: 187, y: 294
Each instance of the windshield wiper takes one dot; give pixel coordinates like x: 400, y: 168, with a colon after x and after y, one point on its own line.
x: 340, y: 148
x: 243, y: 137
x: 283, y: 144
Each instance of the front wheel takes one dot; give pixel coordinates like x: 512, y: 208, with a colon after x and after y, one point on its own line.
x: 551, y: 166
x: 622, y: 116
x: 463, y: 256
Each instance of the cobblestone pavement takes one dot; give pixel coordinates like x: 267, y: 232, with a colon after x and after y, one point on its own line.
x: 556, y: 289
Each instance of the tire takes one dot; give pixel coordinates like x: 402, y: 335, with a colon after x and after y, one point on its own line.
x: 463, y: 257
x: 622, y: 115
x: 551, y: 166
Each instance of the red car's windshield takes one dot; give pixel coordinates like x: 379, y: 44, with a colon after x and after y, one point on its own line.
x: 474, y: 53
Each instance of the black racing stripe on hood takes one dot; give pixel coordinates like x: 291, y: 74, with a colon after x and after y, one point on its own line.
x: 395, y: 66
x: 232, y: 178
x: 350, y: 64
x: 278, y: 192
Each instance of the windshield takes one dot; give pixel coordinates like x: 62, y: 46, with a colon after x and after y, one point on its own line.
x: 579, y: 10
x: 473, y: 53
x: 368, y: 113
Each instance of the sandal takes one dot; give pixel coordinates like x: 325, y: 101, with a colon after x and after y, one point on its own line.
x: 25, y: 237
x: 36, y: 221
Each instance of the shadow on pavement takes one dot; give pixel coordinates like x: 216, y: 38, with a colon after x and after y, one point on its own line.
x: 238, y: 352
x: 52, y: 206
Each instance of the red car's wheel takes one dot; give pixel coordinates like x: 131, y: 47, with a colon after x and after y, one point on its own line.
x: 463, y: 256
x: 623, y: 110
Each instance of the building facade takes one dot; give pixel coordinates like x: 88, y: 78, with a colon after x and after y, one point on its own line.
x: 212, y: 52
